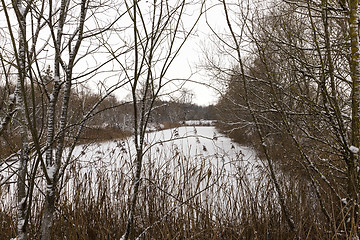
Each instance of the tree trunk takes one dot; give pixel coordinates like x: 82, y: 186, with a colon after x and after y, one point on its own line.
x: 20, y: 96
x: 352, y: 163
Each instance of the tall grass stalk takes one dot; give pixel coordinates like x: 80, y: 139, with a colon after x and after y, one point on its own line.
x: 185, y: 196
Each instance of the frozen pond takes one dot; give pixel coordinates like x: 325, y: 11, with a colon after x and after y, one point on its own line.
x: 184, y: 162
x: 204, y: 142
x: 199, y: 145
x: 187, y: 163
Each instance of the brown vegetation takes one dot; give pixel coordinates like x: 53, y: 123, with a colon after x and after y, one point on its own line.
x: 172, y: 208
x: 290, y: 99
x: 96, y: 134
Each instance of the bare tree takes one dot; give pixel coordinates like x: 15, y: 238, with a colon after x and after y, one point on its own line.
x: 159, y: 31
x: 60, y: 34
x: 291, y: 84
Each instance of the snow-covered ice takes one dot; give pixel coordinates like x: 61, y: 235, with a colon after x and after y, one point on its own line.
x: 196, y: 158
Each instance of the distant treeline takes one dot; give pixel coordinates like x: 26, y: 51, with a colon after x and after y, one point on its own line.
x: 109, y: 119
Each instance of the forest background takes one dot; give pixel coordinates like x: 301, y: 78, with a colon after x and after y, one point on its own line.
x: 287, y: 74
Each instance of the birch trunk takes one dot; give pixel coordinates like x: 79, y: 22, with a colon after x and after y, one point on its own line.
x: 54, y: 161
x: 20, y: 97
x: 49, y: 206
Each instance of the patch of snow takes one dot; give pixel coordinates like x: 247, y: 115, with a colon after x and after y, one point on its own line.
x: 22, y: 201
x: 21, y: 8
x: 12, y: 97
x: 354, y: 149
x: 200, y: 122
x: 51, y: 171
x: 20, y: 225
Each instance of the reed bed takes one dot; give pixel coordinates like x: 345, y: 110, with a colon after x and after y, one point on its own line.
x: 183, y: 196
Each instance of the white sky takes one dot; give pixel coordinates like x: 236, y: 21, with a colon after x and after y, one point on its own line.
x: 184, y: 66
x: 191, y: 57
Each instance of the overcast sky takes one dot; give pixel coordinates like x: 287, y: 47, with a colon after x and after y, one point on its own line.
x: 188, y: 63
x: 185, y: 65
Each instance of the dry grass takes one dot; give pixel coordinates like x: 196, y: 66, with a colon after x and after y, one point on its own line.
x: 95, y: 134
x: 179, y: 199
x: 98, y: 211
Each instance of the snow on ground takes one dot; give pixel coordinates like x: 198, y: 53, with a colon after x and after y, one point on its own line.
x: 190, y: 142
x: 187, y: 161
x: 193, y: 157
x: 200, y: 122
